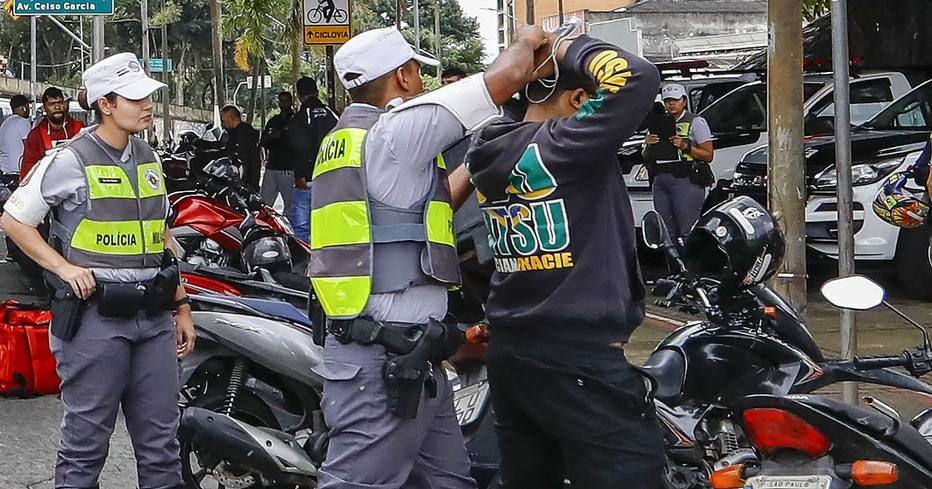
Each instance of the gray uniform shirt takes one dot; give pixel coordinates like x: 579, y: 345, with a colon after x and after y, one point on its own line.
x: 58, y: 181
x: 400, y: 154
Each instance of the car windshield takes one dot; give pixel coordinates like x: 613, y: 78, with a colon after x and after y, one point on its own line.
x: 745, y: 109
x: 912, y: 111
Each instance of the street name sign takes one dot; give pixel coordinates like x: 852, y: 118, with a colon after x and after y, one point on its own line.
x: 326, y: 21
x: 156, y: 65
x: 46, y: 7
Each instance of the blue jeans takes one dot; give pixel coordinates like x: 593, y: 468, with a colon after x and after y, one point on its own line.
x: 301, y: 212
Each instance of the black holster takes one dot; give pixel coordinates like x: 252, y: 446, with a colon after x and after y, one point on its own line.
x: 407, y: 375
x: 66, y: 308
x: 318, y: 319
x: 160, y: 292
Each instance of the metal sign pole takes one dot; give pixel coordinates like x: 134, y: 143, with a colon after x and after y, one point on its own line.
x: 849, y: 338
x: 32, y: 62
x: 331, y: 75
x: 98, y: 51
x: 437, y: 36
x: 417, y: 26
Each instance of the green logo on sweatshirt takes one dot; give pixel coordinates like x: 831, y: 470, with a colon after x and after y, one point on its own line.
x: 530, y: 179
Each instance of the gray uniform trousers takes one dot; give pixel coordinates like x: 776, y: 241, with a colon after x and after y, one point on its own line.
x: 112, y: 362
x: 371, y: 448
x: 278, y: 182
x: 678, y: 201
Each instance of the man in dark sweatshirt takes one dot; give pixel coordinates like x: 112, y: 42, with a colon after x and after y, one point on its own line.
x: 306, y: 129
x: 567, y: 292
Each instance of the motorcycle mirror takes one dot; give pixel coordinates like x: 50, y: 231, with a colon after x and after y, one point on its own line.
x: 855, y: 292
x: 654, y: 231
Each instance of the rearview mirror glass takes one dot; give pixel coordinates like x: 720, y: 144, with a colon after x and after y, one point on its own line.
x: 856, y: 292
x: 653, y: 230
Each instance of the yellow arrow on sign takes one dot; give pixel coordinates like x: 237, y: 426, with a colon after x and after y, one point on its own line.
x: 8, y: 7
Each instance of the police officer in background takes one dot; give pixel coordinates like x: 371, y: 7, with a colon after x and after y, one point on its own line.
x: 383, y: 256
x: 113, y: 335
x: 679, y: 185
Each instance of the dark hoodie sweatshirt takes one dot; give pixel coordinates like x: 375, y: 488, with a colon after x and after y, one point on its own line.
x: 558, y: 214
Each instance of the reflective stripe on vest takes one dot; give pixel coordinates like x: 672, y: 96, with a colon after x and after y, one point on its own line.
x: 349, y: 228
x: 122, y: 224
x: 682, y: 130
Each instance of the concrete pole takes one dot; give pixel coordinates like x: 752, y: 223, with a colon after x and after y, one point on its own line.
x: 849, y: 337
x: 98, y: 51
x: 786, y: 166
x: 216, y: 38
x: 530, y: 12
x: 437, y: 50
x: 32, y: 62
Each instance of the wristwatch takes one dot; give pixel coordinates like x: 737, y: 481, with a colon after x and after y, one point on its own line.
x: 180, y: 302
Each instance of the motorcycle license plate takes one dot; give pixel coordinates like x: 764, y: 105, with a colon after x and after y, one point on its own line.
x: 789, y: 482
x: 468, y: 402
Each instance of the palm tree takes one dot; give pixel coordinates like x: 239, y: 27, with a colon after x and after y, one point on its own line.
x: 252, y: 21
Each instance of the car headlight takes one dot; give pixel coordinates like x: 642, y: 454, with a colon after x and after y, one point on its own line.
x: 741, y: 179
x: 642, y: 175
x: 862, y: 174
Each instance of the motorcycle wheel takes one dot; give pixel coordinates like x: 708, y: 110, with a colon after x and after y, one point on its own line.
x: 247, y: 408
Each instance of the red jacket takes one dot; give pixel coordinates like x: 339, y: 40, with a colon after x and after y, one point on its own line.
x: 43, y: 138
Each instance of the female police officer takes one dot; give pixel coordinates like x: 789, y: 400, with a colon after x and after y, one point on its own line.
x: 679, y: 185
x: 107, y: 196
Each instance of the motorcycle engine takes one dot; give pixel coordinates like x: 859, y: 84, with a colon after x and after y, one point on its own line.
x: 209, y: 254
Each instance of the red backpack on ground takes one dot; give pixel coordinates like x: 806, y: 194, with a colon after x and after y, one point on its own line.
x: 27, y: 367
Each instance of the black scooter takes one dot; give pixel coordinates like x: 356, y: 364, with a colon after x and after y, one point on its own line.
x: 814, y: 442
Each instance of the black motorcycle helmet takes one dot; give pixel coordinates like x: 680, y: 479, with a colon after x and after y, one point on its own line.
x: 736, y: 243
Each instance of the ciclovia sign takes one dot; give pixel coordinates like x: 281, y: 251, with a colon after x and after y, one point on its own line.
x: 326, y: 21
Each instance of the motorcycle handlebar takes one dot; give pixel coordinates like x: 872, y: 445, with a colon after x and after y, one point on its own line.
x: 872, y: 363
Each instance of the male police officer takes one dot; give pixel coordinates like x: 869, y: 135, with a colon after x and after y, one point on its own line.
x: 112, y: 335
x: 383, y: 256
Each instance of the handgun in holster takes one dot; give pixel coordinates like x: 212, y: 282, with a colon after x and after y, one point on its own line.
x: 318, y: 319
x: 406, y: 376
x: 66, y: 308
x: 161, y: 291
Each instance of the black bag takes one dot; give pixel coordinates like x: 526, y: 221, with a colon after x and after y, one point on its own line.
x: 701, y: 174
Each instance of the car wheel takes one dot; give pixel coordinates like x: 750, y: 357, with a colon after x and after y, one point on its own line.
x: 914, y: 263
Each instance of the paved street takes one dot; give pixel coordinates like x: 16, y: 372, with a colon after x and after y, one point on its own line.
x: 28, y: 428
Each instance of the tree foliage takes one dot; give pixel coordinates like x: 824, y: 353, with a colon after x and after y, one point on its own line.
x: 813, y: 9
x: 256, y: 33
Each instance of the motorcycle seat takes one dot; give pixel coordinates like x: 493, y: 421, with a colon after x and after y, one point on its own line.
x: 276, y: 309
x: 294, y: 281
x: 907, y: 438
x: 667, y: 369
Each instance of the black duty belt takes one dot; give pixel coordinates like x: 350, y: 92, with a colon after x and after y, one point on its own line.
x: 397, y: 338
x: 679, y: 169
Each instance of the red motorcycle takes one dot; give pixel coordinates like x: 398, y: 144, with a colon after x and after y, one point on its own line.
x: 219, y: 222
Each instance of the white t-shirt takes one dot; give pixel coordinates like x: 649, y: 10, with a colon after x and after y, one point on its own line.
x: 13, y: 132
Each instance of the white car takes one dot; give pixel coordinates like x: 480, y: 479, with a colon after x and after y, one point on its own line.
x: 739, y: 124
x: 889, y: 142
